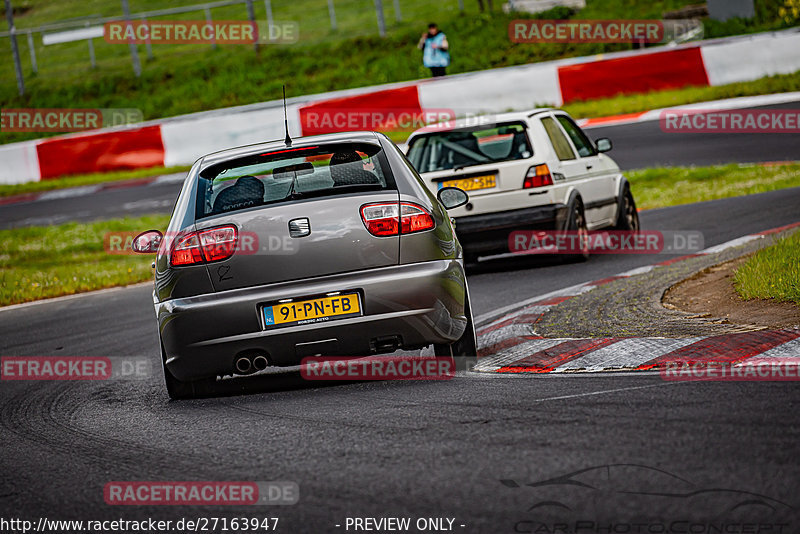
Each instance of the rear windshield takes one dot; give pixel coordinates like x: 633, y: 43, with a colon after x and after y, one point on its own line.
x: 456, y: 149
x: 286, y: 175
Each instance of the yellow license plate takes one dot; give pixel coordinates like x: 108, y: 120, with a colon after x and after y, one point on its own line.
x: 312, y: 310
x: 473, y: 183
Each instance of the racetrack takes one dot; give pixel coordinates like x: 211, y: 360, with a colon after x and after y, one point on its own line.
x: 431, y: 449
x: 412, y: 449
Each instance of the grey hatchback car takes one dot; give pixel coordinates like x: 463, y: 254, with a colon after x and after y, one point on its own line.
x: 328, y: 246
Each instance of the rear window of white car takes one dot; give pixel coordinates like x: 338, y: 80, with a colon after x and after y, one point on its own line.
x: 455, y: 149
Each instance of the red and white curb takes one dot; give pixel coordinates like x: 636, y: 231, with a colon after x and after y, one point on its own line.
x: 507, y: 342
x: 743, y: 102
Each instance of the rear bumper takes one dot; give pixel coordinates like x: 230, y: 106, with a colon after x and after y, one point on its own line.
x: 417, y: 304
x: 488, y: 233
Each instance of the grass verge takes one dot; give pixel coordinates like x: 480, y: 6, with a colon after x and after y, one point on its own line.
x: 86, y: 179
x: 670, y: 186
x: 49, y: 261
x: 772, y: 273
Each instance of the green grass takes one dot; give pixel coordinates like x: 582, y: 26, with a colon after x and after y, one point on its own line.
x: 188, y: 78
x: 50, y: 261
x: 772, y: 273
x: 86, y: 179
x: 670, y: 186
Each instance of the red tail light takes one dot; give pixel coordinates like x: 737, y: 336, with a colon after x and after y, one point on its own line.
x: 213, y: 244
x: 538, y: 176
x: 382, y: 220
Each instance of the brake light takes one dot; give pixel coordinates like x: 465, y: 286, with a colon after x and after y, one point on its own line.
x: 218, y: 243
x: 414, y: 219
x: 382, y: 219
x: 213, y: 244
x: 538, y: 176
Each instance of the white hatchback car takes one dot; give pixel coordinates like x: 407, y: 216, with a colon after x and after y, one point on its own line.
x: 532, y: 170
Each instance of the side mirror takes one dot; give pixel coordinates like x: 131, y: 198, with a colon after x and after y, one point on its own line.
x: 452, y: 197
x: 147, y: 242
x: 604, y: 144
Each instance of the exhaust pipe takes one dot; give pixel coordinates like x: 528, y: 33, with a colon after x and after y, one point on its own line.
x: 243, y: 365
x: 260, y: 363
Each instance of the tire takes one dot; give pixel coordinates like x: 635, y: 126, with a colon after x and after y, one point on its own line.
x: 179, y: 389
x: 465, y: 348
x: 577, y: 223
x: 628, y: 216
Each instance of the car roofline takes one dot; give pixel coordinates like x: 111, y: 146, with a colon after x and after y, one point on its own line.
x: 242, y: 151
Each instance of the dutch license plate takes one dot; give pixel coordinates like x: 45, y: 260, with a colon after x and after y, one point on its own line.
x: 312, y: 310
x: 473, y: 183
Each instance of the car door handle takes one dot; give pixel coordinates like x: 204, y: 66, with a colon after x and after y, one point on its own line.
x: 589, y: 167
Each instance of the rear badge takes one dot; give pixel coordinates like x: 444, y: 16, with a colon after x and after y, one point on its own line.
x: 299, y: 227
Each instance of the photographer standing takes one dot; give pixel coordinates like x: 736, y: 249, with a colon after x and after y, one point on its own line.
x: 434, y: 46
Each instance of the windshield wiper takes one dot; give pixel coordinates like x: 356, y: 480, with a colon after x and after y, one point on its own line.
x: 291, y: 193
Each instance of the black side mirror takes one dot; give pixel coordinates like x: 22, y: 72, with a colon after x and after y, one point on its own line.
x: 604, y: 144
x: 452, y: 197
x: 147, y: 242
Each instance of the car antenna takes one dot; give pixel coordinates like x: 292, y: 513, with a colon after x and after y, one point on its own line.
x: 288, y: 139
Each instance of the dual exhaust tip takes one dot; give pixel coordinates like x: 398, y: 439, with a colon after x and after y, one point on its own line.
x: 246, y: 365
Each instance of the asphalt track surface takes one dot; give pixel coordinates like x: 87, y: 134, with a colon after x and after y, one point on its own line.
x: 636, y: 146
x: 694, y: 453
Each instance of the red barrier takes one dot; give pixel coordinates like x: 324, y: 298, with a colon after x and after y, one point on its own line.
x: 101, y: 152
x: 324, y: 117
x: 635, y: 74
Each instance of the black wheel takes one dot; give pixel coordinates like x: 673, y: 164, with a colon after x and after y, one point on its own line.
x: 465, y: 348
x: 628, y: 217
x: 179, y: 389
x: 577, y: 224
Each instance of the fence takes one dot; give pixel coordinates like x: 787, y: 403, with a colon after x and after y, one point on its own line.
x: 89, y: 28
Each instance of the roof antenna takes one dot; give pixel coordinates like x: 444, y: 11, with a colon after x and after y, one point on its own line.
x: 288, y: 139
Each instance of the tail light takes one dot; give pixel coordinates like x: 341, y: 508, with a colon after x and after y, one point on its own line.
x: 382, y: 219
x: 538, y: 176
x: 213, y: 244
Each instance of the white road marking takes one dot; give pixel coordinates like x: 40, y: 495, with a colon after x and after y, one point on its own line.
x: 730, y: 244
x: 175, y: 178
x: 790, y: 349
x: 507, y: 332
x: 604, y: 391
x: 67, y: 193
x: 626, y: 353
x: 528, y: 310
